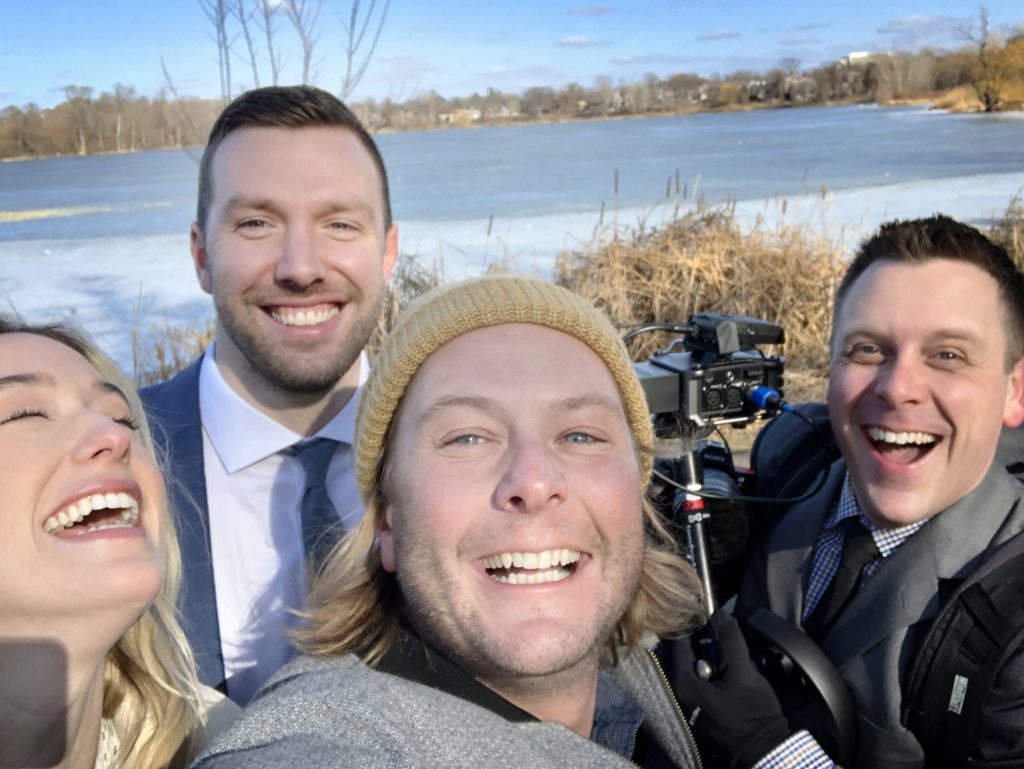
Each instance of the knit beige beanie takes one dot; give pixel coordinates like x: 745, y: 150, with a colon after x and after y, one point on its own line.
x: 446, y: 312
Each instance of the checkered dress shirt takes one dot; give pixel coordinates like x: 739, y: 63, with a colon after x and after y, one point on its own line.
x: 828, y: 549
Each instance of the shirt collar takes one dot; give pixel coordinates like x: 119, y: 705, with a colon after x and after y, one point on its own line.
x: 226, y: 416
x: 887, y: 540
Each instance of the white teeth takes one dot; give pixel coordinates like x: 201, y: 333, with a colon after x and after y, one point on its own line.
x: 81, y: 509
x: 539, y: 561
x: 304, y: 317
x: 900, y: 439
x: 533, y: 577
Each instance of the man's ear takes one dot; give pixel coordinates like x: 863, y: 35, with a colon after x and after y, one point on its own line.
x: 200, y: 258
x: 390, y: 252
x: 386, y: 537
x: 1013, y: 412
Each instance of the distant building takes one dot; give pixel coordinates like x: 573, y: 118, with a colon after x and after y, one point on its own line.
x: 862, y: 57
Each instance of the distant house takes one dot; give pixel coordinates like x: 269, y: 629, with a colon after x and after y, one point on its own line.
x: 862, y: 57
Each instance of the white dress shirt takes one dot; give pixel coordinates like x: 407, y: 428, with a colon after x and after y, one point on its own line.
x: 253, y: 494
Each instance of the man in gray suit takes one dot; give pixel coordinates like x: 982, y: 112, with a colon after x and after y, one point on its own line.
x: 927, y: 367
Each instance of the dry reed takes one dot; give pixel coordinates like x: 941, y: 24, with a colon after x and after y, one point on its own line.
x: 703, y: 261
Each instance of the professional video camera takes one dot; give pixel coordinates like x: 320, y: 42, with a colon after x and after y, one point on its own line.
x: 713, y: 375
x: 711, y: 381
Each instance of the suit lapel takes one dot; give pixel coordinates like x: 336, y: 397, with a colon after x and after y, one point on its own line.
x: 173, y: 406
x: 792, y: 544
x: 905, y: 589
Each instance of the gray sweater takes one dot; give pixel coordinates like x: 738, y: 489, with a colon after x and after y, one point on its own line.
x: 341, y: 713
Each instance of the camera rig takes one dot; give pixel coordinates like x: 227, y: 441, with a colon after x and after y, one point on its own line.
x: 715, y: 374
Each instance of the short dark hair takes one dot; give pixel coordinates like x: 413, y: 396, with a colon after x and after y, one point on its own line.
x: 297, y: 106
x: 942, y: 237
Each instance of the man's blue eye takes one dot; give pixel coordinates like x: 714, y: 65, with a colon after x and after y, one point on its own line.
x: 467, y: 440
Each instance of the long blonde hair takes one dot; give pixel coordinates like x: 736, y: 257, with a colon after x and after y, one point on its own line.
x: 150, y: 689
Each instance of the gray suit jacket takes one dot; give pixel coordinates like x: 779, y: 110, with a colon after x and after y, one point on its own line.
x: 876, y: 638
x: 337, y: 712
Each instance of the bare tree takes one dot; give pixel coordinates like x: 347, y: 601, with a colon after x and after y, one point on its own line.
x: 987, y: 73
x: 244, y: 17
x: 267, y: 9
x: 303, y: 15
x: 218, y: 11
x: 195, y: 133
x: 355, y: 33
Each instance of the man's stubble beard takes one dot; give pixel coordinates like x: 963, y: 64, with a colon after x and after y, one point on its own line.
x: 313, y: 372
x: 424, y: 604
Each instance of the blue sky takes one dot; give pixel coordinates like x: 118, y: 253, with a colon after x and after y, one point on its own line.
x: 456, y: 47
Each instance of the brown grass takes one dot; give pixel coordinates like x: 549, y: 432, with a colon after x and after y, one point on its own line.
x: 166, y: 350
x: 963, y: 98
x: 1008, y: 231
x: 704, y: 262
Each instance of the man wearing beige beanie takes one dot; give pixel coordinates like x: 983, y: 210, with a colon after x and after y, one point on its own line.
x: 495, y: 605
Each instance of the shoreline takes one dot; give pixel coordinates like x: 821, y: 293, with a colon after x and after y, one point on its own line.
x: 687, y: 111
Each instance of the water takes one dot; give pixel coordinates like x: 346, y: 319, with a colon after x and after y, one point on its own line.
x: 98, y: 239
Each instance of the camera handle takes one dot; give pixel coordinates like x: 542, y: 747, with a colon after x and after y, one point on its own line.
x: 687, y: 471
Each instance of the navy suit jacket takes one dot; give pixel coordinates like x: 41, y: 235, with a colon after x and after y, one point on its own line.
x: 173, y: 411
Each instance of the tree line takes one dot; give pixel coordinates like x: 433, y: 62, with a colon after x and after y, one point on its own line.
x: 122, y: 120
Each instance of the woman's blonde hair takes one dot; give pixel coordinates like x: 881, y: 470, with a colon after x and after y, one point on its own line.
x: 150, y: 689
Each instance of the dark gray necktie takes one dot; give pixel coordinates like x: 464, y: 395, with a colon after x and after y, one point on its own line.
x: 321, y: 527
x: 859, y: 549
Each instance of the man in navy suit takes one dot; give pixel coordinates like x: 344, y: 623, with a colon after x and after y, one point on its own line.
x: 294, y: 241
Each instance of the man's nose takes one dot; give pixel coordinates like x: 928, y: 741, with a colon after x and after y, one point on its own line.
x: 532, y: 480
x: 300, y: 263
x: 901, y: 380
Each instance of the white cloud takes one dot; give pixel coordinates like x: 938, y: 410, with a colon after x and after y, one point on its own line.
x: 581, y: 41
x: 719, y: 34
x: 598, y: 10
x: 655, y: 58
x: 915, y: 24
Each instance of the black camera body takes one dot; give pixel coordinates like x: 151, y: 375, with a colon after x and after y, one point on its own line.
x: 710, y: 381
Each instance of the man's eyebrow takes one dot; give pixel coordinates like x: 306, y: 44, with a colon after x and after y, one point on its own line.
x: 592, y: 400
x: 965, y: 334
x: 481, y: 403
x: 28, y: 378
x: 451, y: 402
x: 242, y: 201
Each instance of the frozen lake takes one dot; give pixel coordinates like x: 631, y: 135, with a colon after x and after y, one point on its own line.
x: 104, y: 240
